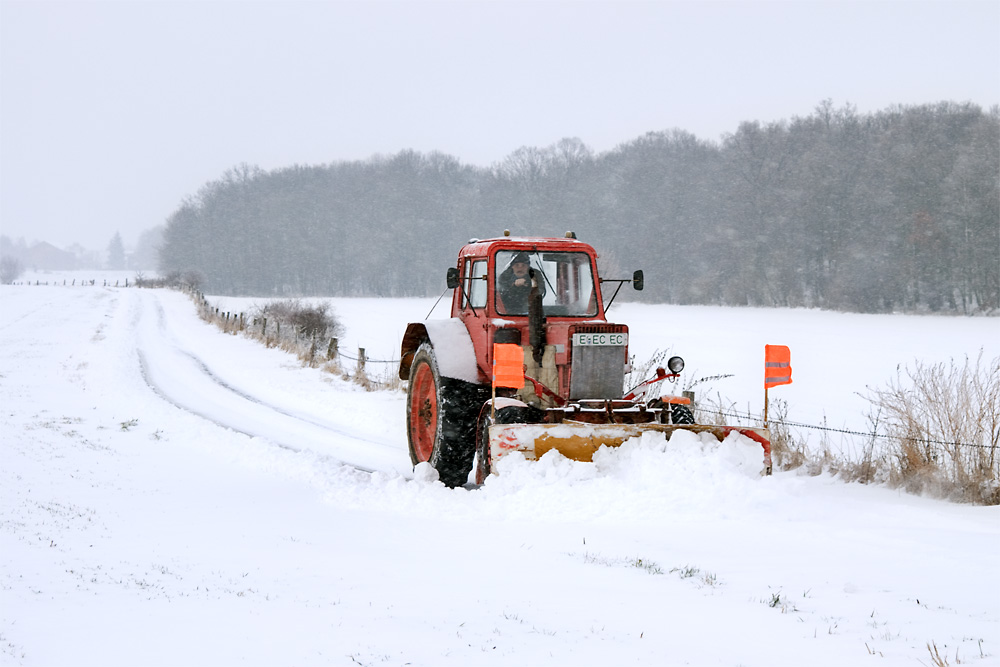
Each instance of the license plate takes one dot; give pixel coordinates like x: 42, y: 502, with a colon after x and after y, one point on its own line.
x: 609, y: 339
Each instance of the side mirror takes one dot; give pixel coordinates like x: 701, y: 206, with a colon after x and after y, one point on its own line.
x: 452, y: 278
x: 637, y: 281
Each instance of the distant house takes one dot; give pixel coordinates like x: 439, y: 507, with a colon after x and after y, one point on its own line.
x: 46, y: 257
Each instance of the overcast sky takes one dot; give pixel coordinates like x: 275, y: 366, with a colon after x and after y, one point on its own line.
x: 111, y: 113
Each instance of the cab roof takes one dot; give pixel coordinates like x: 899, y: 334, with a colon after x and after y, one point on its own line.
x: 479, y: 247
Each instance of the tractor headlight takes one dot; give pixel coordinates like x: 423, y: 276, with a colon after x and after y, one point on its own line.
x: 675, y: 364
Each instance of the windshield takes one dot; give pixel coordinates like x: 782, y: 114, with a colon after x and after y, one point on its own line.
x: 565, y: 280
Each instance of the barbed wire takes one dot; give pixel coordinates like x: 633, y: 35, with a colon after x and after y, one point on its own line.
x: 367, y: 360
x: 884, y: 436
x: 747, y: 415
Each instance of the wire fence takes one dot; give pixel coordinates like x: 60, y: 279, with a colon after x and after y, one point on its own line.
x: 908, y: 453
x: 369, y: 360
x: 308, y: 343
x: 75, y: 282
x: 866, y: 434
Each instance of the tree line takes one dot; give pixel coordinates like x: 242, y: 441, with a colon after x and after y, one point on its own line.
x: 896, y: 210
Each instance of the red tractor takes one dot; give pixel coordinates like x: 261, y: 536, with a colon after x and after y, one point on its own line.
x: 545, y: 296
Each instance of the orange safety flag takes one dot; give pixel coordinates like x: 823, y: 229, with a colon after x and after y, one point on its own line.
x: 508, y: 365
x: 777, y: 365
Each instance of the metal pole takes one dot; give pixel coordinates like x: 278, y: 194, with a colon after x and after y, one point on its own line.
x: 765, y: 403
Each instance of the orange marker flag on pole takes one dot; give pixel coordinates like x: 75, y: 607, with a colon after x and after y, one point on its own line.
x: 777, y: 365
x: 777, y: 370
x: 508, y: 366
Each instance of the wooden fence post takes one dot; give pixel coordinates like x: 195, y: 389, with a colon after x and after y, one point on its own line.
x: 361, y: 361
x: 331, y: 349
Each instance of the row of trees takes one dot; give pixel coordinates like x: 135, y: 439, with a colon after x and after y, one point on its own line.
x: 894, y: 210
x: 43, y: 256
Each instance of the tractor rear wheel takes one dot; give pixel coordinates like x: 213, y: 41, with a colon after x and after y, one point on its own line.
x: 681, y: 414
x: 441, y: 419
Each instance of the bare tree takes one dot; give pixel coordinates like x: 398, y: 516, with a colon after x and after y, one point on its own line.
x: 10, y: 269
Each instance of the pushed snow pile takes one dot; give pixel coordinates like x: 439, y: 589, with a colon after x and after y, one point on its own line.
x: 644, y: 477
x: 647, y: 477
x: 425, y: 472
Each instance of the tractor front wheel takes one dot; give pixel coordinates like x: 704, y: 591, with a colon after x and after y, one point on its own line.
x: 441, y: 419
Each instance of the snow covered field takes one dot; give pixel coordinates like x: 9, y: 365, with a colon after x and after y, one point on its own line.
x: 172, y: 495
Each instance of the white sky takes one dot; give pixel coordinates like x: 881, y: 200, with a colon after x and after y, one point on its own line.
x: 112, y: 112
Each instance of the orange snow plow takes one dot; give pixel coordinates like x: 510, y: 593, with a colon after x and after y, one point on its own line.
x: 578, y: 430
x: 579, y: 441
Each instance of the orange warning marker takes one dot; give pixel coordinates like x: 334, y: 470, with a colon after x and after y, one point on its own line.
x: 508, y: 366
x: 777, y: 365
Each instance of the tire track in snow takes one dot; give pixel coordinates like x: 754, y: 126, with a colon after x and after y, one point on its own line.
x: 206, y: 371
x: 233, y: 417
x: 144, y: 370
x: 281, y: 411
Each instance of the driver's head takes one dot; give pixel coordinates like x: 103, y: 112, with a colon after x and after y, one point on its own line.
x: 520, y: 263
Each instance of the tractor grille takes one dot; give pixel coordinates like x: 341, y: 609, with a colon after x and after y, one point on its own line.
x: 597, y: 371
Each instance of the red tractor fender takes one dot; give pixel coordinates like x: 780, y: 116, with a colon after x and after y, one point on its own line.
x: 453, y: 350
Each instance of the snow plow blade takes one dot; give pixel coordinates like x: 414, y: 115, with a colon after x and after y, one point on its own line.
x: 579, y: 441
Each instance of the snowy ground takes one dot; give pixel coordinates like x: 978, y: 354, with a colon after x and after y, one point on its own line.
x: 172, y: 495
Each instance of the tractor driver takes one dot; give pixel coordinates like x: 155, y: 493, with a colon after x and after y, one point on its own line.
x: 514, y: 284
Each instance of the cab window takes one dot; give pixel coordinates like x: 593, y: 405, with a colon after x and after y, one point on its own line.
x: 475, y: 270
x: 565, y: 280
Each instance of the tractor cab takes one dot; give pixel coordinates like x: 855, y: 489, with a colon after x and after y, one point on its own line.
x: 496, y: 277
x: 543, y: 294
